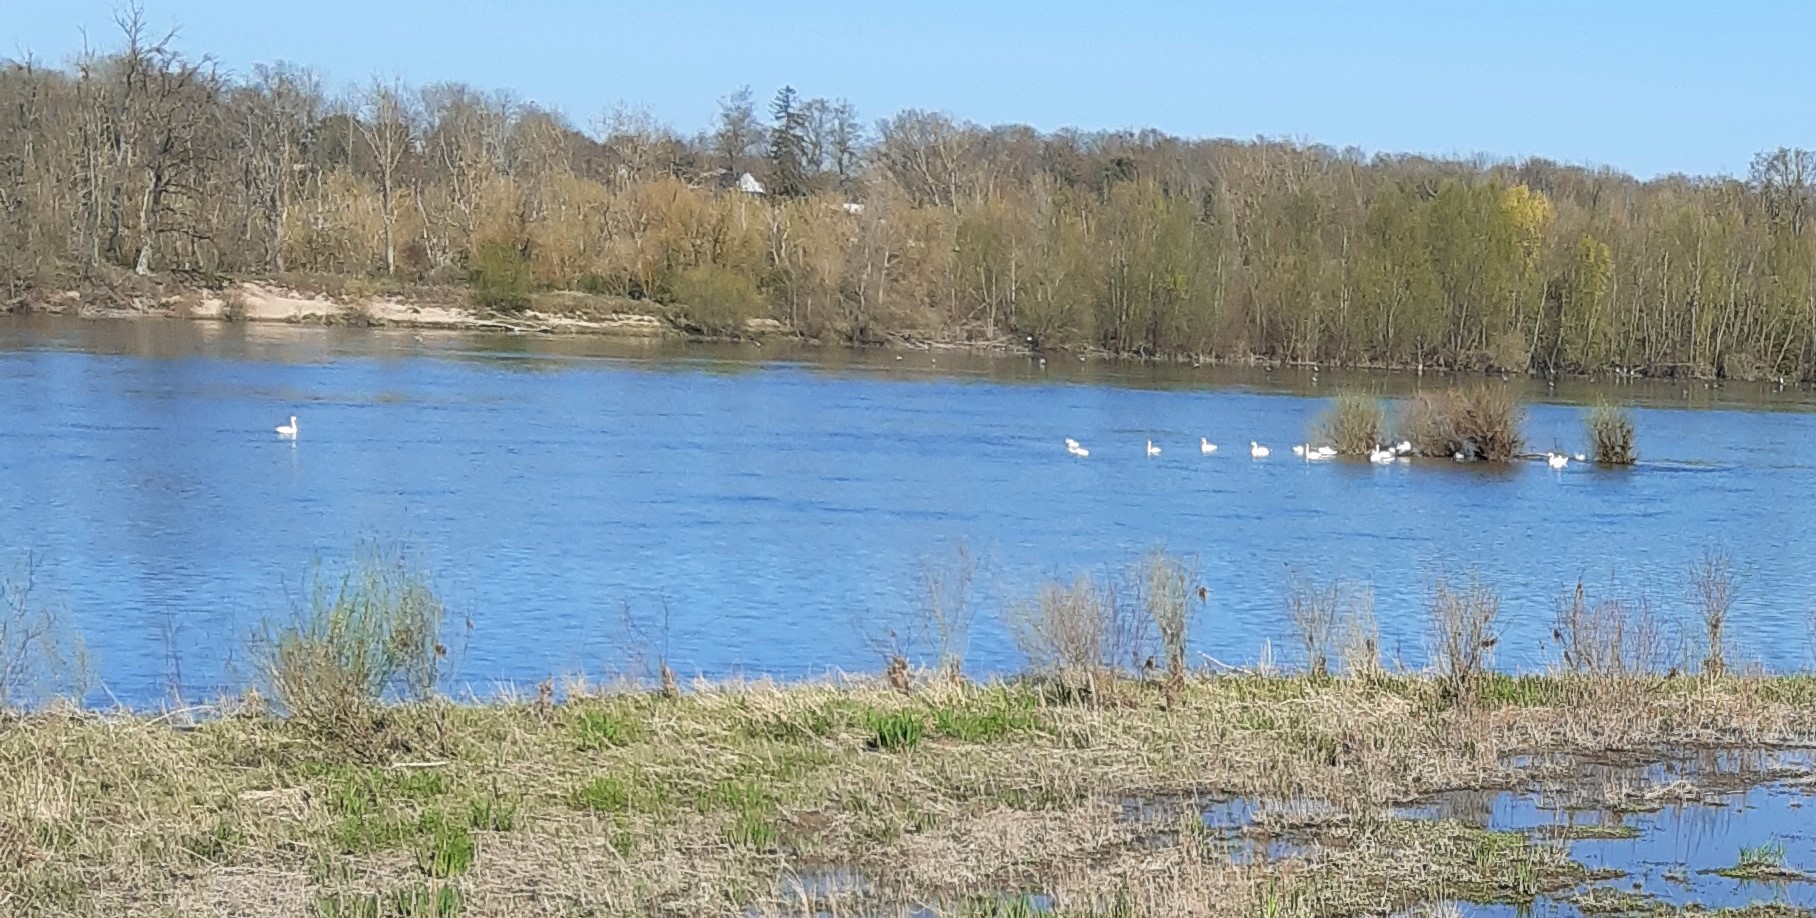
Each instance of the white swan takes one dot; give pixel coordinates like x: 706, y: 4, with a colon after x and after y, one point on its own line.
x: 1579, y: 457
x: 1327, y: 452
x: 1299, y: 449
x: 1557, y: 460
x: 1152, y: 449
x: 1206, y: 447
x: 1078, y: 451
x: 1403, y: 448
x: 1257, y: 450
x: 1380, y: 456
x: 288, y: 431
x: 1071, y: 444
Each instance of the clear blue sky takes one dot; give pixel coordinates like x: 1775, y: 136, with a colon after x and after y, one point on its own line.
x: 1649, y: 87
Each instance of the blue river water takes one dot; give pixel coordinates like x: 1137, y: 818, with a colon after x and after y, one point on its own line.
x: 772, y: 507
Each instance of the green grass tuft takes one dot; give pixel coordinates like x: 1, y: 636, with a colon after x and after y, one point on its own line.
x: 751, y: 830
x: 446, y: 848
x: 600, y: 730
x: 605, y: 793
x: 896, y: 732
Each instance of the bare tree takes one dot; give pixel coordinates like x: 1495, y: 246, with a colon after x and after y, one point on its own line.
x: 640, y: 147
x: 275, y: 122
x: 739, y: 134
x: 164, y: 115
x: 385, y: 125
x: 833, y: 137
x: 922, y: 151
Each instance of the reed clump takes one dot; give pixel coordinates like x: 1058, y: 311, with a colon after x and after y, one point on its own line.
x: 1611, y: 433
x: 1482, y: 423
x: 1353, y: 425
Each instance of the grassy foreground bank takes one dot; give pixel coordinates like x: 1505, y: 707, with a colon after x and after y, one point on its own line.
x: 845, y: 799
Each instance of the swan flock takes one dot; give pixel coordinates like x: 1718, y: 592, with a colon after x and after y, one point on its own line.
x: 1379, y: 455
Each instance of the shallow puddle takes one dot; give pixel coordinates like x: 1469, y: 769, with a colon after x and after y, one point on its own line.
x: 1667, y: 826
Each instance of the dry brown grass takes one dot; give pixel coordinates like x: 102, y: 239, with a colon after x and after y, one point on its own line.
x: 709, y: 803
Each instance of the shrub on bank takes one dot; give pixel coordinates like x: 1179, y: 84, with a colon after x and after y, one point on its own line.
x: 1479, y: 423
x: 1608, y: 636
x: 716, y: 300
x: 374, y: 636
x: 1463, y: 621
x: 1169, y: 588
x: 498, y: 277
x: 1089, y: 632
x: 1074, y: 631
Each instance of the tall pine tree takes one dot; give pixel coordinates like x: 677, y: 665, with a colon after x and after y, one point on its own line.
x: 790, y: 173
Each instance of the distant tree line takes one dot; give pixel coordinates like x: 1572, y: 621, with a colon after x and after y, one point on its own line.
x: 145, y: 158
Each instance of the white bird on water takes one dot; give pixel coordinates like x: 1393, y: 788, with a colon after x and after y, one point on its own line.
x: 1075, y: 449
x: 288, y: 431
x: 1205, y: 446
x: 1403, y: 448
x: 1557, y: 460
x: 1579, y: 457
x: 1327, y: 452
x: 1257, y: 450
x: 1381, y: 456
x: 1300, y: 449
x: 1152, y: 449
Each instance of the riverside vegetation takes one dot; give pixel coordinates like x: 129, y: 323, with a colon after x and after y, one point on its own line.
x: 144, y: 171
x: 345, y: 784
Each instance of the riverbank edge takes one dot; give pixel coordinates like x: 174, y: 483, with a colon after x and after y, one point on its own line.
x: 720, y: 798
x: 361, y: 302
